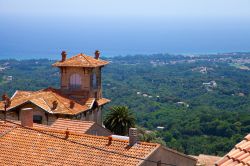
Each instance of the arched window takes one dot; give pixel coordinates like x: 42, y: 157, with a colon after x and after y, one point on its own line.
x: 94, y: 81
x: 75, y: 81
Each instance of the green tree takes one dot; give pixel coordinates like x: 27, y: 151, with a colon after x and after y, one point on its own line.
x: 119, y: 119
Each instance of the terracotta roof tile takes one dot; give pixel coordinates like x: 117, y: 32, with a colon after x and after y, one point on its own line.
x: 46, y: 148
x: 102, y: 101
x: 75, y: 126
x: 81, y: 60
x: 45, y: 98
x: 239, y: 155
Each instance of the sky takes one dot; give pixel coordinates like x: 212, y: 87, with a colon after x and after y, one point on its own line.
x: 42, y: 29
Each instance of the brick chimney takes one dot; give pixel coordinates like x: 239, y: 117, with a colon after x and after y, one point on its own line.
x: 4, y: 96
x: 97, y: 54
x: 26, y: 116
x: 64, y: 56
x: 54, y: 105
x: 133, y: 138
x: 71, y: 104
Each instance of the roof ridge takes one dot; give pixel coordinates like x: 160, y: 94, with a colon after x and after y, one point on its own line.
x: 86, y: 58
x: 45, y: 103
x: 76, y: 61
x: 62, y: 103
x: 61, y: 131
x: 176, y: 152
x: 89, y: 121
x: 14, y: 95
x: 7, y: 131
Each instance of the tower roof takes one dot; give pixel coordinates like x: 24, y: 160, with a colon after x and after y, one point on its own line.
x: 81, y: 60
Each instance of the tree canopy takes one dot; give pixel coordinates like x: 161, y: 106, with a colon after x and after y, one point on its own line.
x: 119, y: 119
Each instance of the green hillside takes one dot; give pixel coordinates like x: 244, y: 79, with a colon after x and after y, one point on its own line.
x: 201, y: 104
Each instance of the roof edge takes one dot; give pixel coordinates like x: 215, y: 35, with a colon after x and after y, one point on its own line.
x: 179, y: 153
x: 149, y: 155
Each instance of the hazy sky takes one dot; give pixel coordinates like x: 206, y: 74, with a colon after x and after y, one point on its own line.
x: 31, y: 28
x: 127, y: 8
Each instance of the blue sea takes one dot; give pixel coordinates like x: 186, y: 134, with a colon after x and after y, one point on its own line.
x: 44, y: 38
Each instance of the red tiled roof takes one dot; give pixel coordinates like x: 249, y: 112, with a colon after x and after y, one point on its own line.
x: 81, y: 60
x: 238, y: 156
x: 26, y: 146
x: 44, y: 99
x: 74, y: 125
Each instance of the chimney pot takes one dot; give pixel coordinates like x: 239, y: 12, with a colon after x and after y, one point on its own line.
x: 26, y: 116
x: 55, y: 103
x: 4, y: 96
x: 67, y: 133
x: 97, y: 54
x: 64, y: 56
x: 110, y: 140
x: 133, y: 138
x: 71, y: 104
x: 6, y: 99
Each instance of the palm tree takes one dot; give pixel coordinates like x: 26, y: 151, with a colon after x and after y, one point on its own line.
x: 119, y: 119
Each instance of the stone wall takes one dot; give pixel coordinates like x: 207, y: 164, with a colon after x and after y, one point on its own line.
x: 86, y: 75
x: 169, y: 156
x: 98, y: 130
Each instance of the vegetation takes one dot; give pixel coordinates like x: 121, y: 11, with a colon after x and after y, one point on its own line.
x: 172, y: 97
x: 149, y: 136
x: 119, y: 119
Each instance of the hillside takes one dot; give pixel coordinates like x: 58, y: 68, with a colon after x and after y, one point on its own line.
x: 199, y: 104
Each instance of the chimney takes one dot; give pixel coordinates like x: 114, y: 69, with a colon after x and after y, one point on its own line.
x: 97, y: 54
x: 71, y: 104
x: 110, y: 140
x: 26, y: 115
x: 132, y: 136
x: 67, y: 133
x: 4, y: 96
x: 54, y: 105
x: 6, y: 100
x: 64, y: 56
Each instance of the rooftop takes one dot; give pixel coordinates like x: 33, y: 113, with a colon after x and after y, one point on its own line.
x: 76, y: 126
x: 49, y: 147
x: 238, y: 156
x: 81, y: 60
x: 53, y: 101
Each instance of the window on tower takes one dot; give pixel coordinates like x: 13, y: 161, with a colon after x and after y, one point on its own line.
x: 75, y: 81
x: 94, y: 81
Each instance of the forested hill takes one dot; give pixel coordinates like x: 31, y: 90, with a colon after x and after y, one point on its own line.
x: 196, y: 104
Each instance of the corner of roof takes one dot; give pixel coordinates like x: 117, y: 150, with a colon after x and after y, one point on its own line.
x: 247, y: 137
x: 150, y: 154
x: 102, y: 127
x: 14, y: 94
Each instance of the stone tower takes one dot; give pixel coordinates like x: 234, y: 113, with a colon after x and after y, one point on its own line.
x: 81, y: 75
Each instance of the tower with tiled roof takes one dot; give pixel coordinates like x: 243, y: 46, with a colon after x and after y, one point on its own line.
x: 79, y: 97
x: 81, y: 75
